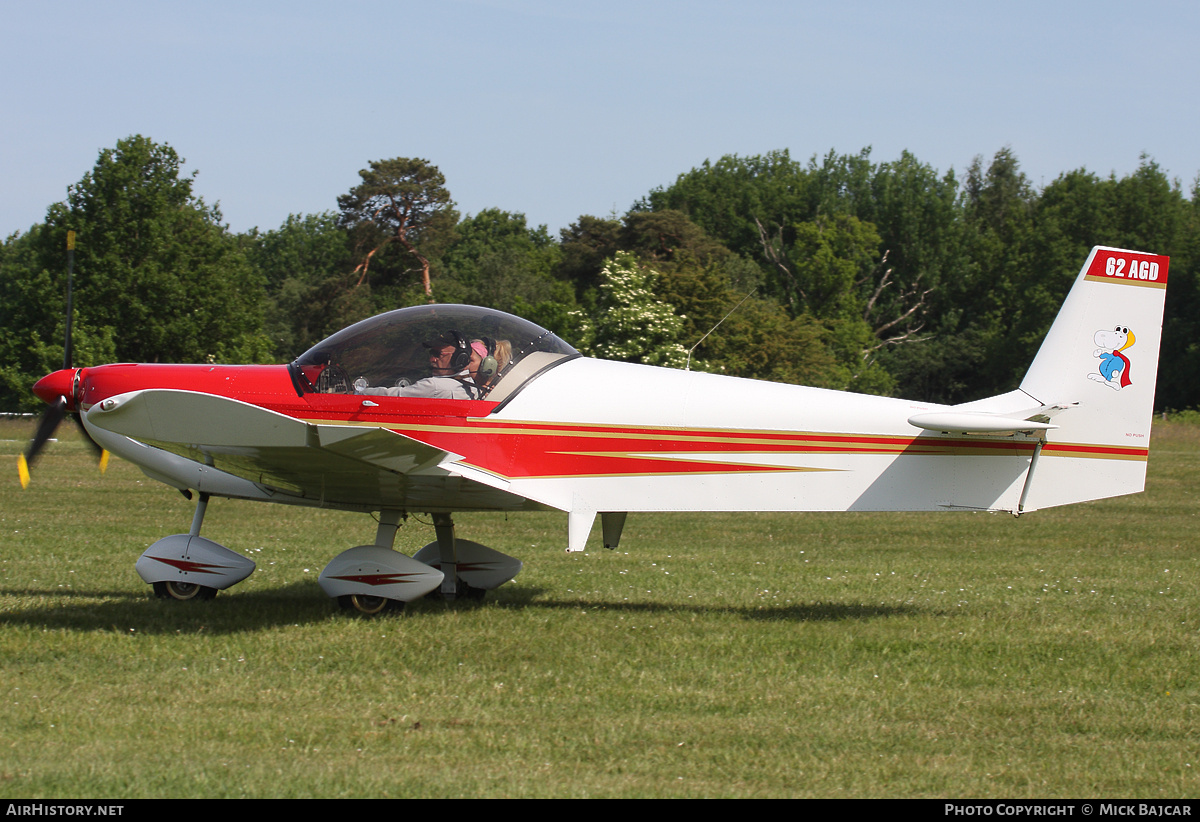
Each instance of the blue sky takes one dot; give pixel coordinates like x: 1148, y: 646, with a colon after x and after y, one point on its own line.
x: 557, y: 109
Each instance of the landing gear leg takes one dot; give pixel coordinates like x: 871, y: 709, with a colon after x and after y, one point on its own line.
x: 389, y: 523
x: 453, y: 586
x: 190, y: 567
x: 198, y: 517
x: 460, y: 560
x: 183, y: 591
x: 443, y: 526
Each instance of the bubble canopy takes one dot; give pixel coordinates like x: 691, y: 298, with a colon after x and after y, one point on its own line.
x: 389, y: 349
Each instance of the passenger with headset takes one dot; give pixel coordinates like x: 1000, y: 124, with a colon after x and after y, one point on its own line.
x: 450, y: 358
x: 483, y: 365
x: 492, y: 357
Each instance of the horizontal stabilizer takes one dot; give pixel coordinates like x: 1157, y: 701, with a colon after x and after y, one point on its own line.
x: 965, y: 422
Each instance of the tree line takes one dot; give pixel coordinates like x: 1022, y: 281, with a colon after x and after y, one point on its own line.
x: 838, y: 271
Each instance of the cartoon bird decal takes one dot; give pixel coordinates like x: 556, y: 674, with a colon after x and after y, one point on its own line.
x: 1114, y: 365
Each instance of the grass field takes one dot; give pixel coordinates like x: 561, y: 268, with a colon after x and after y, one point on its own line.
x: 749, y: 655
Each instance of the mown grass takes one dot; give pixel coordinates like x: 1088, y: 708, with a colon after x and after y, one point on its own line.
x: 955, y: 655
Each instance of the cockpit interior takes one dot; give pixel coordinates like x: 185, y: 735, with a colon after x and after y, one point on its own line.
x: 391, y: 350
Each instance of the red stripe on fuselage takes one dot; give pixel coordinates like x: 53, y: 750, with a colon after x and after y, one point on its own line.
x: 526, y: 449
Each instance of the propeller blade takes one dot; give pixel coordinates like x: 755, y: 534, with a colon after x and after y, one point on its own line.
x: 55, y: 383
x: 68, y: 348
x: 45, y: 430
x: 101, y: 454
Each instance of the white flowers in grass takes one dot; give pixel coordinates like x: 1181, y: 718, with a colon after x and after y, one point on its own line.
x: 633, y: 325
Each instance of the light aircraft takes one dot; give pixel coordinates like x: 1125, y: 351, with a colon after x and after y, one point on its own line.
x: 556, y: 430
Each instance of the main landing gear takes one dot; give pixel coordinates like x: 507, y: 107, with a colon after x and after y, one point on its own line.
x: 188, y: 566
x: 371, y: 579
x: 368, y: 579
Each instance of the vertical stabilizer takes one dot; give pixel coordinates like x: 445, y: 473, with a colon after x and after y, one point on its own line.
x: 1100, y: 361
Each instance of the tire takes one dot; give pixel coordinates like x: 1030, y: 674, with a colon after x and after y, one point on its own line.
x: 369, y: 605
x: 183, y: 591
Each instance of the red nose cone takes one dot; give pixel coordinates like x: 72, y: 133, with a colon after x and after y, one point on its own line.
x: 59, y: 384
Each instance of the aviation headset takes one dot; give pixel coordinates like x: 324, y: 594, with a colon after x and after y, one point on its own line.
x: 462, y: 350
x: 487, y: 364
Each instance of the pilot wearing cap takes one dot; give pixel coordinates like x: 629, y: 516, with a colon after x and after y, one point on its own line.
x: 451, y: 359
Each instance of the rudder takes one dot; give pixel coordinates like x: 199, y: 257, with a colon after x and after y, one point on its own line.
x: 1100, y: 361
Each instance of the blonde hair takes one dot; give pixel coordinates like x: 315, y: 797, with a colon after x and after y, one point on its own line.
x: 503, y: 355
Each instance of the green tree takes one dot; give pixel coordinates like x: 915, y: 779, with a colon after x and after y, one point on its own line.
x: 307, y: 266
x: 155, y: 263
x: 755, y: 338
x: 584, y: 246
x: 1150, y: 209
x: 833, y: 272
x: 632, y: 324
x: 1151, y: 214
x: 32, y: 344
x: 498, y: 260
x: 157, y: 277
x: 1001, y: 300
x: 1179, y: 361
x: 821, y: 254
x: 404, y: 201
x: 693, y: 268
x: 733, y: 198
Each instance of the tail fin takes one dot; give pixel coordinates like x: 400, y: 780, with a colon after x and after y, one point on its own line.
x: 1094, y: 375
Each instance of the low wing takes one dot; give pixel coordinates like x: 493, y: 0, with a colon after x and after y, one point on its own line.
x: 339, y: 466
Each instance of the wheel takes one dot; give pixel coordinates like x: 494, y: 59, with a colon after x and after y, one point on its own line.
x: 183, y: 591
x: 369, y: 605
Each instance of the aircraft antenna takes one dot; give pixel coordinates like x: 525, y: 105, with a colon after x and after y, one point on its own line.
x: 688, y: 365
